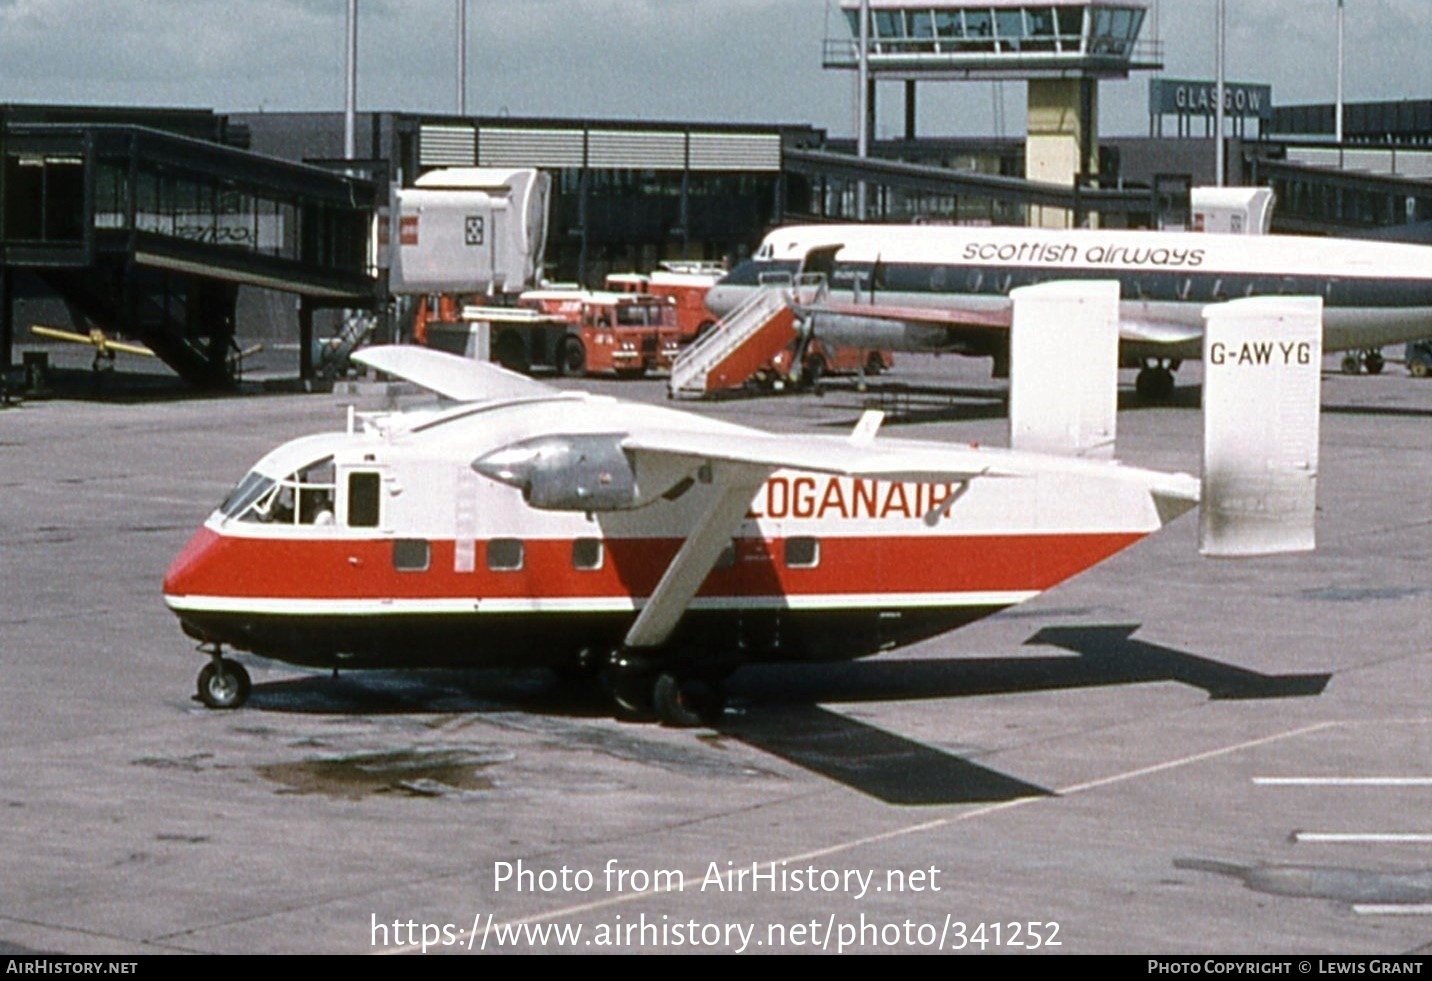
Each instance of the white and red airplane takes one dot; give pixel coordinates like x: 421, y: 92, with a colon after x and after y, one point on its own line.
x: 516, y: 524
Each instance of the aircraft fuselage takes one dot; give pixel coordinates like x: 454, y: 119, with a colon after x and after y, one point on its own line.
x: 1374, y: 293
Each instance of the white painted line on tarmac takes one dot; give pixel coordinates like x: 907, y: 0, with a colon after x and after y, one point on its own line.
x: 1362, y: 837
x: 1393, y: 909
x: 922, y: 826
x: 1343, y: 781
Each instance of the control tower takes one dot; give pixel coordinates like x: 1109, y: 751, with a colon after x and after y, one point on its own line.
x: 1061, y: 48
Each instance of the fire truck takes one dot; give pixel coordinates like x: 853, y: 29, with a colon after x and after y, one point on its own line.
x: 685, y: 284
x: 628, y: 334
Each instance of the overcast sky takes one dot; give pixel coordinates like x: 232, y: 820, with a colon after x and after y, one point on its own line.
x: 698, y: 60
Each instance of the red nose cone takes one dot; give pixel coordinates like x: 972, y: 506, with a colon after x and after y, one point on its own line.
x: 187, y: 568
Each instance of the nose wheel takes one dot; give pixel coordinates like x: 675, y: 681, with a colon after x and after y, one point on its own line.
x: 223, y: 683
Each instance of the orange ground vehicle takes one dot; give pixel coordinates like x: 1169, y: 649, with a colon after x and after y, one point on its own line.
x: 822, y: 359
x: 626, y: 333
x: 685, y: 284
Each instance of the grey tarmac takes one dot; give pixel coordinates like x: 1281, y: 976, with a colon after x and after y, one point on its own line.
x: 1164, y: 755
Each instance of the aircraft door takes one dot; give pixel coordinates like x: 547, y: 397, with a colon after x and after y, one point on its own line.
x: 820, y: 262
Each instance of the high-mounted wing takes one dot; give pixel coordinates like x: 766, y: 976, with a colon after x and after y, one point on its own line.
x: 459, y: 379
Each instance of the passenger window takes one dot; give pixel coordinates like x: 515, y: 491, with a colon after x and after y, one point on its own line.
x: 587, y: 553
x: 410, y: 555
x: 802, y: 552
x: 504, y: 554
x: 363, y: 499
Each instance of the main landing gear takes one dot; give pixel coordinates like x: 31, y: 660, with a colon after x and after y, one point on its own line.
x: 1371, y: 361
x: 1155, y: 380
x: 223, y: 683
x: 644, y: 688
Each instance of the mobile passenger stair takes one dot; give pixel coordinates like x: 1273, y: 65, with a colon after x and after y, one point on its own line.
x: 726, y: 357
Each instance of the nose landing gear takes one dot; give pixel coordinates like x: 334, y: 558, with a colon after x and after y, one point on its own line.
x: 223, y: 683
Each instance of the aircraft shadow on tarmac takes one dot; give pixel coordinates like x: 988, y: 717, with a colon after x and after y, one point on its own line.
x: 778, y: 708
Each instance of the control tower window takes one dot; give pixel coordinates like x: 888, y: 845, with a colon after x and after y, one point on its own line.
x: 1071, y: 28
x: 979, y: 31
x: 1011, y: 29
x: 1041, y: 28
x: 949, y: 24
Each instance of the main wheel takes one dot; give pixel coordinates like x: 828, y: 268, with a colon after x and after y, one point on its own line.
x: 1373, y: 362
x: 223, y: 684
x: 572, y: 358
x: 684, y: 702
x: 1351, y: 364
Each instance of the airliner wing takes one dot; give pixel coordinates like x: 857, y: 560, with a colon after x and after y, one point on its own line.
x: 953, y: 327
x: 460, y: 379
x: 952, y: 316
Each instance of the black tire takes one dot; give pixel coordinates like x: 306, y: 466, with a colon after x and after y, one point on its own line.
x: 1154, y: 384
x: 224, y: 684
x: 572, y: 358
x: 511, y: 353
x: 812, y: 370
x: 1351, y: 364
x: 1374, y: 362
x: 1417, y: 369
x: 686, y: 702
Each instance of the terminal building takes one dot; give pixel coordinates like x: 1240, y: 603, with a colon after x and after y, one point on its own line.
x: 196, y: 232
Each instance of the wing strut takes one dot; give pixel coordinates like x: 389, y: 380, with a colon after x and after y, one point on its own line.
x: 693, y: 562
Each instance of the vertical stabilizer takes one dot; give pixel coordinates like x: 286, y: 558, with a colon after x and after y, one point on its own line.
x: 1064, y: 368
x: 1262, y: 360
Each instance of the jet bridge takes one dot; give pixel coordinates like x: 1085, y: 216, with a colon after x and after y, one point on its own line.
x: 150, y: 234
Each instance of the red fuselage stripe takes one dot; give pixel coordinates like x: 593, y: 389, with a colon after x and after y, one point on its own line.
x: 226, y: 566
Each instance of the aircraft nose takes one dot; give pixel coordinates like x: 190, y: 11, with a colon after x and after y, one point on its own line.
x: 188, y: 569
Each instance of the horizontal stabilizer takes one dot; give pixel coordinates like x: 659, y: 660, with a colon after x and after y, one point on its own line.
x: 451, y: 376
x: 1262, y: 360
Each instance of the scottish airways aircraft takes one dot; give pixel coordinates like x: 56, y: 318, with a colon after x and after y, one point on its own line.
x: 946, y: 288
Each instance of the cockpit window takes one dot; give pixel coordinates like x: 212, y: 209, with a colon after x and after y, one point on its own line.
x: 304, y: 497
x: 254, y: 486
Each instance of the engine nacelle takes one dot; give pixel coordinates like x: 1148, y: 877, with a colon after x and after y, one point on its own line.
x: 566, y: 473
